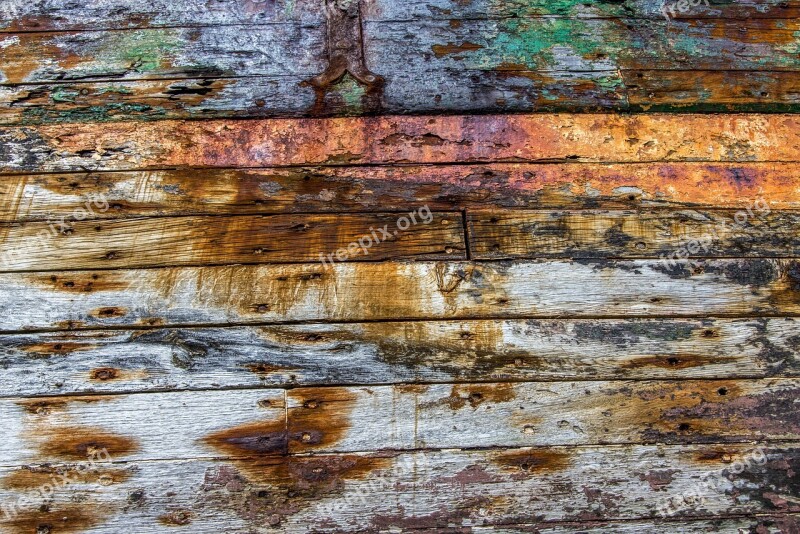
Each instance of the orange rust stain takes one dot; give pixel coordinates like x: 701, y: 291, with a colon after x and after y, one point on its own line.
x: 72, y: 518
x: 27, y: 51
x: 80, y: 442
x: 267, y: 369
x: 27, y: 478
x: 477, y: 394
x: 253, y: 439
x: 451, y: 48
x: 55, y: 348
x: 47, y: 405
x: 322, y: 417
x: 527, y: 463
x: 104, y: 374
x: 85, y: 282
x: 176, y: 518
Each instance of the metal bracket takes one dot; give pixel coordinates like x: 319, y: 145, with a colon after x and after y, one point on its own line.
x: 345, y: 47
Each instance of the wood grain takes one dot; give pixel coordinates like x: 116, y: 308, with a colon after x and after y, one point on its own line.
x: 397, y: 291
x: 246, y: 239
x: 552, y: 490
x: 119, y: 195
x: 400, y: 140
x: 108, y: 361
x: 759, y: 232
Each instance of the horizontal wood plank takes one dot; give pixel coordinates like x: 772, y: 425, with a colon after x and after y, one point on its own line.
x: 257, y: 423
x: 505, y: 414
x: 552, y: 490
x: 758, y: 232
x: 108, y: 361
x: 396, y: 291
x: 401, y: 140
x: 117, y: 195
x: 247, y: 239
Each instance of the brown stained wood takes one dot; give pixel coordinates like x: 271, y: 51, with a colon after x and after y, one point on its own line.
x: 755, y: 232
x: 42, y: 430
x: 173, y: 241
x: 118, y: 195
x: 401, y: 140
x: 551, y: 490
x: 396, y: 352
x: 397, y: 291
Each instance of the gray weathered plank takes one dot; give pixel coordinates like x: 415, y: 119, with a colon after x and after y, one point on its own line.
x: 246, y: 239
x: 396, y: 291
x: 757, y: 232
x: 344, y: 419
x: 380, y: 353
x: 552, y: 490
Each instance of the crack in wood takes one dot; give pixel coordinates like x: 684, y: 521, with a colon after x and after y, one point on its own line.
x: 345, y: 49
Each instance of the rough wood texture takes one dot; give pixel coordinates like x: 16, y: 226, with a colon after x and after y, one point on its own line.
x: 399, y: 140
x: 584, y: 489
x: 396, y: 352
x: 249, y: 239
x: 758, y: 232
x: 396, y: 291
x: 347, y: 189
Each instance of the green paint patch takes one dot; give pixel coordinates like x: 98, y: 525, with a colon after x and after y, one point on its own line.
x: 62, y: 94
x: 114, y: 89
x: 351, y: 93
x: 146, y: 50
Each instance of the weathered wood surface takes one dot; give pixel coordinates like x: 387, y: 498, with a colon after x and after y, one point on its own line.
x: 601, y: 138
x: 397, y: 291
x: 585, y: 489
x: 247, y: 239
x: 489, y: 56
x: 758, y: 232
x: 339, y: 189
x: 63, y: 15
x: 108, y: 361
x: 258, y: 422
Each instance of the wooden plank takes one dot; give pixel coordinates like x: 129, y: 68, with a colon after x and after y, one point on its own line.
x: 115, y: 195
x: 393, y: 140
x: 396, y: 291
x: 442, y: 416
x: 655, y: 90
x: 247, y: 239
x: 110, y: 361
x: 287, y: 96
x: 553, y: 490
x: 257, y: 422
x: 64, y: 15
x: 634, y: 234
x: 418, y: 49
x: 69, y: 429
x: 287, y: 49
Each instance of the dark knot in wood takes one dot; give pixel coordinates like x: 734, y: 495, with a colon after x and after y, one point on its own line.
x: 345, y: 48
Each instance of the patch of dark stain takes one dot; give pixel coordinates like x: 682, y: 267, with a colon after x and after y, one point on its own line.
x: 658, y: 479
x: 528, y: 463
x: 258, y: 439
x: 80, y: 282
x: 442, y: 519
x: 108, y: 312
x: 33, y: 477
x: 45, y: 406
x: 187, y: 347
x: 454, y: 49
x: 615, y: 237
x: 768, y: 477
x: 261, y: 368
x: 630, y: 332
x: 673, y: 361
x: 54, y: 348
x: 755, y: 273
